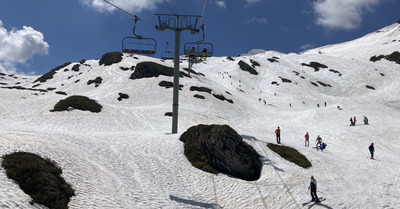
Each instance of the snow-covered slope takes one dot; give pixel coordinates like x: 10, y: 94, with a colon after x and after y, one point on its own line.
x: 125, y: 156
x: 380, y: 42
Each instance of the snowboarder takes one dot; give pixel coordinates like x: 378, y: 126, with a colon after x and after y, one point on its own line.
x: 313, y: 187
x: 278, y: 135
x: 319, y: 142
x: 366, y: 121
x: 351, y: 122
x: 371, y: 150
x: 307, y: 137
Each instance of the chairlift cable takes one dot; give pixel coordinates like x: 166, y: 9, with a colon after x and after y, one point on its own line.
x: 172, y: 11
x: 202, y: 15
x: 134, y: 16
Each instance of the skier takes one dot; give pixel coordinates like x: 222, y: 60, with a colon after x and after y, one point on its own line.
x: 313, y: 187
x: 351, y: 121
x: 319, y: 142
x: 278, y: 135
x: 307, y: 137
x: 354, y: 121
x: 366, y: 121
x: 371, y: 150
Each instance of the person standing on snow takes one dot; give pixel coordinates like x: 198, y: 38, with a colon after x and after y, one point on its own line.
x: 313, y: 187
x: 307, y: 137
x: 278, y: 135
x: 366, y: 121
x: 319, y: 142
x: 354, y: 121
x: 351, y: 121
x: 371, y: 150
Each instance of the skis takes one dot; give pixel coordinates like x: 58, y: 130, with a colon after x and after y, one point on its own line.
x: 313, y: 202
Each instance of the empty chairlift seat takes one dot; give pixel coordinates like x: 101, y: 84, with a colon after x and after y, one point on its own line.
x: 139, y: 45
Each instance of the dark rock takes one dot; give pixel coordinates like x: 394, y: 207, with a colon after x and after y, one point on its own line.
x: 169, y: 84
x: 315, y: 65
x: 200, y: 89
x: 50, y: 74
x: 152, y: 69
x: 223, y: 149
x: 75, y: 68
x: 111, y: 58
x: 255, y: 63
x: 246, y: 67
x: 96, y: 81
x: 285, y: 80
x: 199, y: 96
x: 370, y: 87
x: 222, y: 98
x: 122, y: 96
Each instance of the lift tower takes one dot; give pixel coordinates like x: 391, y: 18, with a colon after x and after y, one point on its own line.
x: 177, y: 23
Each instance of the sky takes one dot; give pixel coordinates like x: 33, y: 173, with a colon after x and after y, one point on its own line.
x: 37, y: 36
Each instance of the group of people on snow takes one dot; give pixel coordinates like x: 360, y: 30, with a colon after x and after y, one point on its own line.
x: 353, y: 121
x: 321, y: 145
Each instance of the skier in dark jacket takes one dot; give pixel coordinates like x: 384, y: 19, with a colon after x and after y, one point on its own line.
x: 313, y: 187
x: 371, y: 150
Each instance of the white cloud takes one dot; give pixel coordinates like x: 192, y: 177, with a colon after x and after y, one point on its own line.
x: 221, y: 4
x: 19, y: 46
x: 260, y: 20
x: 127, y: 5
x: 342, y: 14
x: 307, y: 46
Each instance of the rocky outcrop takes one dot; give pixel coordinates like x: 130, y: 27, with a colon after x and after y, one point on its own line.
x: 223, y: 149
x: 246, y: 67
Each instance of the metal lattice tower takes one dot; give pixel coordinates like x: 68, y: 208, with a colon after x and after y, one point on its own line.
x: 177, y: 23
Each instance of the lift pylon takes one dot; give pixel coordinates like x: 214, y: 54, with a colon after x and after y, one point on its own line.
x: 177, y: 23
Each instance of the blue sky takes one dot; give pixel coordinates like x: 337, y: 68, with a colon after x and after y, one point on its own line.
x: 36, y: 36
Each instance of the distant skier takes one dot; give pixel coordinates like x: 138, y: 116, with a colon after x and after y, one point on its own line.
x: 319, y: 142
x: 354, y: 121
x: 323, y: 146
x: 313, y: 187
x: 278, y: 135
x: 351, y: 122
x: 371, y: 150
x: 307, y: 137
x: 366, y: 121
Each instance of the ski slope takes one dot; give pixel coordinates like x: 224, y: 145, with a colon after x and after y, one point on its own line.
x: 126, y: 157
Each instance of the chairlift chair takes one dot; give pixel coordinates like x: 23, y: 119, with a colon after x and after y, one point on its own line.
x: 167, y: 55
x: 199, y: 48
x: 138, y: 44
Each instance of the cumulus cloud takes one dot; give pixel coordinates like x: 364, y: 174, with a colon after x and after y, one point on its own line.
x: 342, y: 14
x: 221, y: 4
x: 19, y: 46
x: 127, y: 5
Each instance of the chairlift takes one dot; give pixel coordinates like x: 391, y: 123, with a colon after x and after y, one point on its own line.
x: 138, y: 44
x: 167, y: 55
x: 199, y: 48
